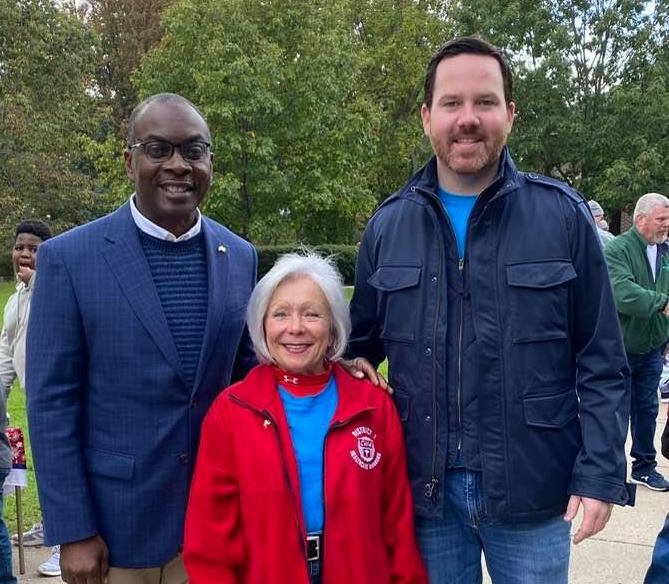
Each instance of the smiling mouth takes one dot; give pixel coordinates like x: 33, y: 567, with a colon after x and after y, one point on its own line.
x: 177, y: 188
x: 467, y: 141
x: 296, y: 348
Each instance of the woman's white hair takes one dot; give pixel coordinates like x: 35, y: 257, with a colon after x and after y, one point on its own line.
x: 295, y: 265
x: 648, y: 202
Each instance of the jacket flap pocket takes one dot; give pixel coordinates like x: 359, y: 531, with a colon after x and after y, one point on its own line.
x: 390, y: 278
x: 110, y: 464
x: 551, y: 411
x: 540, y: 274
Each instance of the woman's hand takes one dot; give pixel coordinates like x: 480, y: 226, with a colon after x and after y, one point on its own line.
x: 361, y: 368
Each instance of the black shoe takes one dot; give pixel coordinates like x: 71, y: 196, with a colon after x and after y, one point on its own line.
x: 653, y: 480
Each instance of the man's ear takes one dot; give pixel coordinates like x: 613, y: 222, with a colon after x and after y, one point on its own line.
x: 129, y: 164
x: 425, y: 118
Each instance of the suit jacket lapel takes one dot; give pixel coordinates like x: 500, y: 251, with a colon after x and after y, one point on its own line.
x: 125, y: 258
x: 218, y: 266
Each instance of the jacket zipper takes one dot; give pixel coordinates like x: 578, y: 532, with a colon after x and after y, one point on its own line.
x: 432, y: 486
x: 460, y: 414
x: 301, y: 529
x: 325, y: 506
x: 296, y: 513
x: 461, y: 266
x: 461, y: 348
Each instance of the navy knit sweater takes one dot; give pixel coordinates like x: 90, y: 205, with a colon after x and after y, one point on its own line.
x: 180, y: 274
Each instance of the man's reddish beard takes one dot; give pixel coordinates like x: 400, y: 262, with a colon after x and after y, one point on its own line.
x: 473, y: 164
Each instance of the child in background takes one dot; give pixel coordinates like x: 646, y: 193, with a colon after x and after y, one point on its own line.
x: 29, y: 236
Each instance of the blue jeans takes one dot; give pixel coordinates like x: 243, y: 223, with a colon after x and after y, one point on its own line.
x: 646, y: 370
x: 6, y: 576
x: 658, y: 573
x: 524, y: 553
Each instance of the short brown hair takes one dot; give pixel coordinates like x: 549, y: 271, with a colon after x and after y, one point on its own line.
x: 470, y: 45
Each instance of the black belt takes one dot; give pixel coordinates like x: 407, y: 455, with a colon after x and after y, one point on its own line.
x: 314, y: 542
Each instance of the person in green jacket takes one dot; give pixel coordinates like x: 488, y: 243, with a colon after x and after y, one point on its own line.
x: 639, y: 274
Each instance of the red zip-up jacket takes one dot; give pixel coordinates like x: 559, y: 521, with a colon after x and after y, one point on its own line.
x: 244, y: 522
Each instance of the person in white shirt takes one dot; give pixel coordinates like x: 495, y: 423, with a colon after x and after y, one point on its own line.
x: 29, y: 236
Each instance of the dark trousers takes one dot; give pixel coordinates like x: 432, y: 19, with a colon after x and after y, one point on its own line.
x: 315, y: 571
x: 646, y: 370
x: 658, y: 573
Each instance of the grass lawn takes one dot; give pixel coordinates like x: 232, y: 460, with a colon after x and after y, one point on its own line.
x: 17, y: 413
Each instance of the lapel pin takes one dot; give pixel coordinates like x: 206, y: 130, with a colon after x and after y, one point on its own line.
x: 222, y: 249
x: 266, y: 424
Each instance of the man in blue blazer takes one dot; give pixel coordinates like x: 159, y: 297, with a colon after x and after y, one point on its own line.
x: 137, y: 323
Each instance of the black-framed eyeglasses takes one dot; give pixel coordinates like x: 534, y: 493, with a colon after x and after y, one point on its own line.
x: 162, y: 150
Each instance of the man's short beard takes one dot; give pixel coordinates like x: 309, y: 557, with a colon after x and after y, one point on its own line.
x: 472, y: 166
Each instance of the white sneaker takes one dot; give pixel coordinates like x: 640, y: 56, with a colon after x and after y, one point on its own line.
x: 52, y: 566
x: 664, y: 390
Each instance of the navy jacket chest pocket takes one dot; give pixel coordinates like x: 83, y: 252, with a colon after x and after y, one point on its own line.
x: 538, y: 299
x: 398, y: 287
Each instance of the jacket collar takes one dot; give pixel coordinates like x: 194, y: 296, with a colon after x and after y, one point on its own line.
x: 259, y: 391
x: 505, y: 180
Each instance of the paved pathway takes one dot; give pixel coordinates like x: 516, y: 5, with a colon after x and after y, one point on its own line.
x: 618, y: 555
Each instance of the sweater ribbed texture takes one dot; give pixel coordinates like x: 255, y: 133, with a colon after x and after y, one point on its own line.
x: 179, y: 272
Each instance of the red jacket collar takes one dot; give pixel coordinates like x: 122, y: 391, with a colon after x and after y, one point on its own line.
x: 258, y: 390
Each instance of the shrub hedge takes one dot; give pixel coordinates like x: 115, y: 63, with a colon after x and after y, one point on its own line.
x: 345, y: 257
x: 6, y: 270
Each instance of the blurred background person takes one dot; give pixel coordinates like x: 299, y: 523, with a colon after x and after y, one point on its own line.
x: 29, y: 236
x: 601, y: 224
x: 639, y: 273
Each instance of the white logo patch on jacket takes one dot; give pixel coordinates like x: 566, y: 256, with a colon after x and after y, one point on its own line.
x: 366, y: 456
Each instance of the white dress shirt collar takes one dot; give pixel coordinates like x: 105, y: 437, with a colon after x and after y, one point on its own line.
x: 150, y: 228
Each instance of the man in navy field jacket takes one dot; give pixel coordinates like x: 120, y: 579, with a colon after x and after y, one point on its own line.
x: 486, y: 290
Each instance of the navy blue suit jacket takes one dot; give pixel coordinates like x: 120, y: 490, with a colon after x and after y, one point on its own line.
x: 113, y: 423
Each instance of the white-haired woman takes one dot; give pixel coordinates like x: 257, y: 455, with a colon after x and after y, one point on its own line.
x: 301, y: 474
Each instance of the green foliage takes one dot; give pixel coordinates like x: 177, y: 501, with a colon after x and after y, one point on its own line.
x: 106, y: 158
x: 45, y: 67
x: 396, y: 40
x: 591, y: 91
x: 278, y: 84
x: 314, y: 106
x: 127, y: 29
x: 345, y: 257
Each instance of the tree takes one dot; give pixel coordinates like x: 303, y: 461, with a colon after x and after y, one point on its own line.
x: 45, y: 71
x: 581, y: 66
x: 397, y: 39
x: 279, y: 84
x: 127, y: 30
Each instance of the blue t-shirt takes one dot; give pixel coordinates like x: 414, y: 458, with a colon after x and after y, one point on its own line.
x: 308, y: 420
x: 458, y: 208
